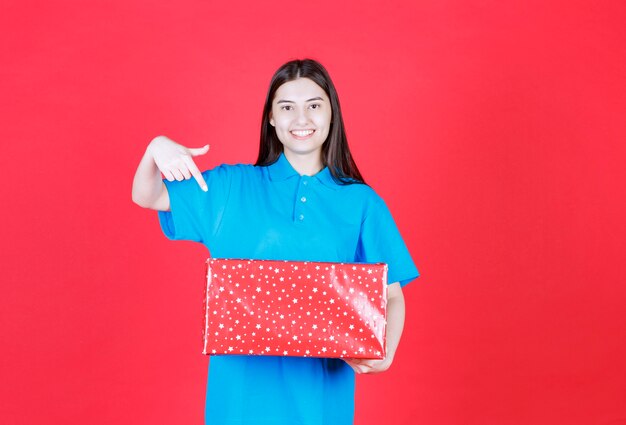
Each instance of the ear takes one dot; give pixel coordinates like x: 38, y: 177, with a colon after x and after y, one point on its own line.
x: 271, y: 117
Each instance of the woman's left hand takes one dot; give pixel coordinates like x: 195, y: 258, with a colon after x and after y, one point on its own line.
x: 369, y: 366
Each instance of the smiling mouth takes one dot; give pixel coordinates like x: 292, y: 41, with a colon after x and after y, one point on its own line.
x: 302, y: 134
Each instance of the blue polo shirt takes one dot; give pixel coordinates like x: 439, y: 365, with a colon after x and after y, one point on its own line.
x: 274, y: 213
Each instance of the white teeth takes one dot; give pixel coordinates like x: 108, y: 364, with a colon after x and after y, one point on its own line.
x: 302, y: 133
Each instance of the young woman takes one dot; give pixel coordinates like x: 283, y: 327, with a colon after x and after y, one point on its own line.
x: 304, y: 200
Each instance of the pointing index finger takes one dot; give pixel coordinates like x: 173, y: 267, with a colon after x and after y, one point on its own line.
x: 195, y: 172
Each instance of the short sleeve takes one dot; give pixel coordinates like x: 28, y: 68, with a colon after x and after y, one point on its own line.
x: 380, y: 242
x: 195, y: 215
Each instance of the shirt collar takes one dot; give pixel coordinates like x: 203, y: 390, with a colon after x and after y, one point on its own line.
x: 282, y: 170
x: 326, y: 178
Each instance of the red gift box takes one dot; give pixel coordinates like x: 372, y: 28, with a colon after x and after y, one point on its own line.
x: 303, y: 309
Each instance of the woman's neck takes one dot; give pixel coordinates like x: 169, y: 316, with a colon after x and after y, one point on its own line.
x: 305, y: 164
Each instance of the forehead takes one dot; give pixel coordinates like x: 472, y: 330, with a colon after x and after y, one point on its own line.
x: 300, y: 89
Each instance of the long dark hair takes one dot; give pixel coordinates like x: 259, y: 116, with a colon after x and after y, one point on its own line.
x: 335, y: 151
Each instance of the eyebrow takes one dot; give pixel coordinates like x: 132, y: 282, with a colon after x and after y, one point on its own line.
x: 308, y: 100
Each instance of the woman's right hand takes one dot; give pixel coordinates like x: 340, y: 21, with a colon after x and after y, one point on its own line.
x: 175, y: 161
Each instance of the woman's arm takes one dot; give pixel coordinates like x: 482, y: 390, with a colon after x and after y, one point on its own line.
x: 174, y: 161
x: 395, y: 324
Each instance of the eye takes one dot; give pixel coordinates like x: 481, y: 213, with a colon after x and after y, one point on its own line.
x: 286, y: 108
x: 315, y: 106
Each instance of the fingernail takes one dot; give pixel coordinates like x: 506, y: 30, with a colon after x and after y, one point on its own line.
x: 206, y: 189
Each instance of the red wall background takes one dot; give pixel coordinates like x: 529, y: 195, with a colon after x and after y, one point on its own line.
x: 494, y: 130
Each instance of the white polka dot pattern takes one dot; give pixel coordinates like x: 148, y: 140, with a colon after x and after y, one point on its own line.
x: 304, y: 309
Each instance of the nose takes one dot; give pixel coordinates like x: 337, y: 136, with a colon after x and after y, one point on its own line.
x: 303, y: 117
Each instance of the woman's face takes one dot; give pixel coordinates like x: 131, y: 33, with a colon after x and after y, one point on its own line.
x: 301, y: 114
